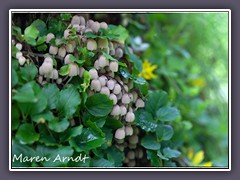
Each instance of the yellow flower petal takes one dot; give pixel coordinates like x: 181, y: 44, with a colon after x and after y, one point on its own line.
x: 147, y: 72
x: 207, y: 164
x: 190, y: 153
x: 198, y: 158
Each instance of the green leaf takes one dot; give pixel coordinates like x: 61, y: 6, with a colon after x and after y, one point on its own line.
x: 164, y: 132
x: 28, y: 72
x: 30, y: 99
x: 41, y: 40
x: 154, y: 159
x: 170, y: 153
x: 46, y: 136
x: 113, y: 123
x: 15, y: 117
x: 26, y: 134
x: 64, y: 71
x: 167, y: 114
x: 88, y: 140
x: 42, y: 47
x: 121, y: 34
x: 68, y: 101
x: 145, y: 120
x: 86, y: 80
x: 20, y: 150
x: 14, y: 52
x: 156, y: 100
x: 137, y: 63
x: 93, y: 126
x: 14, y: 78
x: 30, y: 40
x: 66, y: 16
x: 74, y: 59
x: 55, y: 155
x: 70, y: 133
x: 59, y: 126
x: 31, y: 32
x: 45, y: 116
x: 115, y: 154
x: 101, y: 163
x: 159, y: 154
x: 150, y: 142
x: 40, y: 26
x: 51, y: 92
x: 99, y: 105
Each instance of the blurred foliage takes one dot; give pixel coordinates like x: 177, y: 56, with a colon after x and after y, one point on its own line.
x: 191, y: 53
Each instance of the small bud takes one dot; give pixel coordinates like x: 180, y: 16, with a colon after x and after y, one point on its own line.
x: 90, y: 23
x: 96, y: 64
x: 111, y: 74
x: 119, y: 96
x: 110, y: 84
x: 140, y: 103
x: 132, y: 163
x: 91, y: 45
x: 19, y: 46
x: 49, y: 37
x: 133, y: 139
x: 110, y: 45
x: 40, y: 79
x: 67, y: 59
x: 103, y: 80
x: 81, y: 71
x: 93, y: 73
x: 55, y: 74
x: 46, y: 68
x: 66, y: 33
x: 132, y: 146
x: 117, y: 89
x: 136, y: 131
x: 48, y: 60
x: 82, y: 29
x: 75, y: 20
x: 131, y: 155
x: 131, y: 97
x: 135, y: 96
x: 116, y: 110
x: 125, y: 88
x: 59, y: 80
x: 123, y: 110
x: 82, y: 21
x: 70, y: 48
x: 126, y: 160
x: 62, y: 52
x: 19, y: 54
x: 95, y: 85
x: 103, y: 62
x: 112, y: 52
x: 103, y: 25
x: 130, y: 117
x: 113, y: 66
x: 119, y: 53
x: 130, y: 109
x: 130, y: 85
x: 128, y: 131
x: 13, y: 42
x: 139, y: 154
x: 95, y: 26
x: 125, y: 99
x: 125, y: 80
x: 114, y: 98
x: 88, y: 30
x: 74, y: 70
x: 105, y: 90
x: 120, y: 133
x: 53, y: 50
x: 102, y: 43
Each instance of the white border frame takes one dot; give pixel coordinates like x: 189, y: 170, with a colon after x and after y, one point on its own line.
x: 125, y: 11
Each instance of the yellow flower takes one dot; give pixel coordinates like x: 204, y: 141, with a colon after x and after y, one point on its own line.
x: 197, y: 159
x: 199, y: 82
x: 147, y: 71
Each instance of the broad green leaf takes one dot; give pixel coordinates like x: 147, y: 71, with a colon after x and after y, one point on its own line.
x: 150, y: 142
x: 137, y: 63
x: 58, y: 126
x: 170, y: 153
x: 164, y: 132
x: 40, y: 26
x: 71, y: 132
x: 55, y: 155
x: 41, y: 40
x: 74, y: 59
x: 156, y: 100
x: 94, y: 127
x: 159, y: 154
x: 44, y: 116
x: 42, y: 47
x: 154, y: 159
x: 167, y: 114
x: 86, y: 141
x: 113, y: 123
x: 116, y: 155
x: 145, y: 120
x: 46, y: 135
x: 51, y: 92
x: 19, y: 151
x: 64, y: 70
x: 14, y: 78
x: 99, y: 105
x: 31, y: 41
x: 101, y: 163
x: 26, y: 134
x: 31, y: 32
x: 68, y: 101
x: 15, y: 117
x: 66, y: 16
x: 86, y: 80
x: 28, y: 72
x: 119, y: 31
